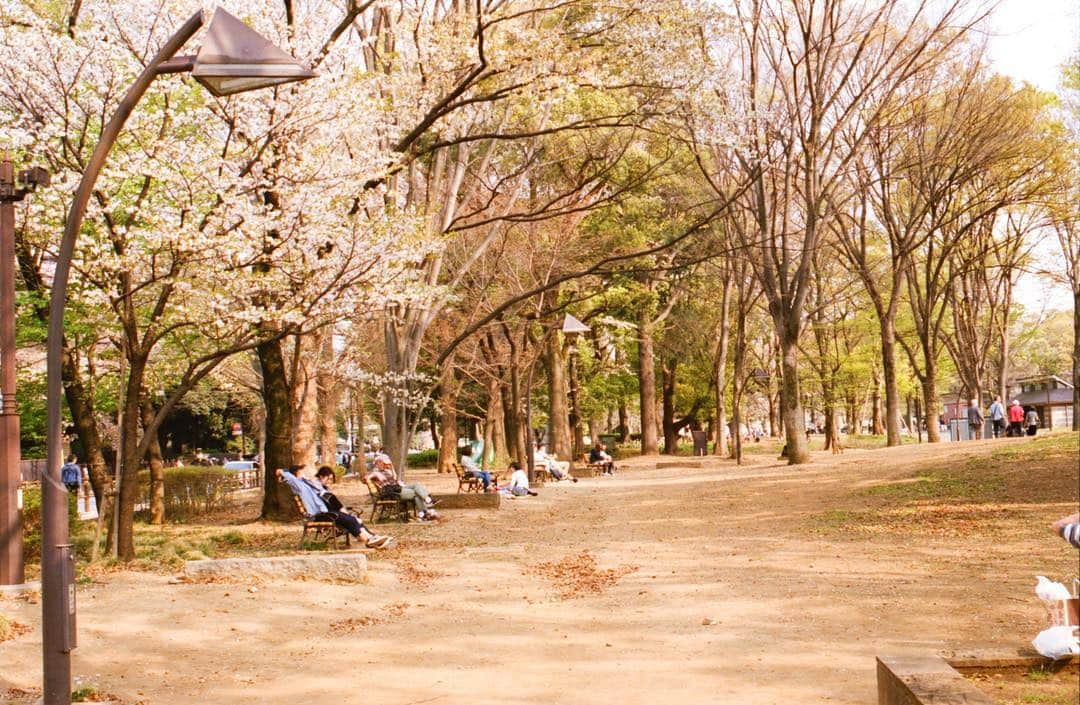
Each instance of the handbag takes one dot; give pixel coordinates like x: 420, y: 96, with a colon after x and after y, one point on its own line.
x: 390, y: 491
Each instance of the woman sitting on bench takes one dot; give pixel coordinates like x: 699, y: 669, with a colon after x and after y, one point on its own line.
x: 322, y: 505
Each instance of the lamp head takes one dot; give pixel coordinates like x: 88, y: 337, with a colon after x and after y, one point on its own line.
x: 33, y: 178
x: 235, y: 58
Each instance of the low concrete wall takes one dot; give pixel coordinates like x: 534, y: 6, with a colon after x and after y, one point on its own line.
x: 335, y: 567
x: 468, y: 500
x: 937, y: 680
x: 924, y: 680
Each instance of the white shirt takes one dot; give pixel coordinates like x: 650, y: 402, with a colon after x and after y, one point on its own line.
x: 519, y: 479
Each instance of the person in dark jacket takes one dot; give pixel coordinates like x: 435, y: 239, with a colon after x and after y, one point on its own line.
x: 71, y: 474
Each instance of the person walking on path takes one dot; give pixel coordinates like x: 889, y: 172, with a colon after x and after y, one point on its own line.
x: 71, y: 474
x: 997, y: 416
x: 975, y: 420
x: 1031, y: 420
x: 1016, y: 419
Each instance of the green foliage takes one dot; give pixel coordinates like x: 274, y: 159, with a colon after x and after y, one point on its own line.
x: 424, y: 459
x: 31, y: 521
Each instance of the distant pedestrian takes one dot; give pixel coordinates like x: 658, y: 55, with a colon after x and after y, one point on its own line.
x: 71, y: 474
x: 1016, y: 419
x: 975, y: 420
x: 1031, y: 420
x: 997, y: 417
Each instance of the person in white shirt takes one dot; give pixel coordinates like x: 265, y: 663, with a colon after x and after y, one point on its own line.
x: 519, y: 482
x: 558, y: 469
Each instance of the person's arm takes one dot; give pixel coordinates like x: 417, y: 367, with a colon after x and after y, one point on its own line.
x: 1060, y: 524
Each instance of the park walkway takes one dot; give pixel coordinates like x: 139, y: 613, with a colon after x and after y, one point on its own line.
x: 715, y: 584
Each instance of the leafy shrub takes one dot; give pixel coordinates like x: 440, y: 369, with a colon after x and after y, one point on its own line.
x: 190, y: 492
x: 31, y: 520
x: 424, y: 459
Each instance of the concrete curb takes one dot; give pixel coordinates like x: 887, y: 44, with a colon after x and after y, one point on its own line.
x: 333, y: 567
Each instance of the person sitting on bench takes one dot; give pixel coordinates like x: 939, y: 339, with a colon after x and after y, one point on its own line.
x: 599, y: 456
x: 384, y: 478
x: 318, y: 509
x: 558, y: 469
x: 472, y: 469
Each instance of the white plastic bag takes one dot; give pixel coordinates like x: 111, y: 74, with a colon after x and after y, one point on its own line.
x: 1056, y: 642
x: 1050, y: 591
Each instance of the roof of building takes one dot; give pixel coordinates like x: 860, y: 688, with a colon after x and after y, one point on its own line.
x: 1055, y: 396
x: 1042, y: 378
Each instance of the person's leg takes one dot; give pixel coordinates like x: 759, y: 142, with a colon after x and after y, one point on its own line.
x: 485, y: 476
x: 409, y: 494
x: 422, y: 492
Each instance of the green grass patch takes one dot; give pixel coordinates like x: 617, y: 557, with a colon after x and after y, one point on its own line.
x: 940, y: 485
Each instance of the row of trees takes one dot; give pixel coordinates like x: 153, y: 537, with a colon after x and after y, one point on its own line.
x: 788, y: 200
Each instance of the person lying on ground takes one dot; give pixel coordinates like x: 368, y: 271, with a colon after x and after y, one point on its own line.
x: 558, y: 469
x: 519, y: 482
x: 599, y: 456
x: 1068, y: 528
x: 473, y: 470
x: 318, y: 509
x: 385, y: 479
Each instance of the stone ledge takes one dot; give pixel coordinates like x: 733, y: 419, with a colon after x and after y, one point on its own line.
x: 336, y: 567
x: 468, y: 500
x: 661, y: 464
x: 20, y: 589
x: 924, y: 680
x: 1020, y: 660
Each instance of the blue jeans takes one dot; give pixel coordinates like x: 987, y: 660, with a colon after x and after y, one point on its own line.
x: 484, y: 476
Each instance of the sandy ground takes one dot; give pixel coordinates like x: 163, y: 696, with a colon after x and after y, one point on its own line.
x: 463, y: 612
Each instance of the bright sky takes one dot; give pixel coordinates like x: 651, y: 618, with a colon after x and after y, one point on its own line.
x: 1030, y: 41
x: 1031, y: 38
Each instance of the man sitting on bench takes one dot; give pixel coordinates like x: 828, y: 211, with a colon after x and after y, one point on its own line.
x: 318, y: 509
x: 599, y: 456
x: 384, y: 478
x: 558, y: 469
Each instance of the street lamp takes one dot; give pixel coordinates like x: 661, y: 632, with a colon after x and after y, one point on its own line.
x: 233, y: 59
x: 12, y: 190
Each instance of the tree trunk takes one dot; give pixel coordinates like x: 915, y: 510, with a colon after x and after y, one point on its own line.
x: 497, y: 420
x: 1076, y: 361
x: 277, y: 401
x: 669, y: 369
x: 515, y: 416
x: 576, y: 431
x: 305, y: 409
x: 132, y: 462
x: 328, y: 398
x: 791, y: 402
x: 624, y: 422
x: 448, y: 395
x: 647, y: 386
x: 720, y: 373
x: 82, y: 415
x: 558, y: 404
x: 930, y: 397
x: 157, y: 468
x: 875, y: 406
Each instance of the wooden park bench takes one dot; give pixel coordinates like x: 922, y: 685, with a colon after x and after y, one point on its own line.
x: 471, y: 483
x: 321, y: 529
x: 383, y: 508
x: 596, y: 468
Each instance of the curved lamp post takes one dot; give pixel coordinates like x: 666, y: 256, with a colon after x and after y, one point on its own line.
x: 233, y: 59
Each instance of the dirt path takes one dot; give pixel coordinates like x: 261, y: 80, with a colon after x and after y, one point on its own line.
x: 465, y: 612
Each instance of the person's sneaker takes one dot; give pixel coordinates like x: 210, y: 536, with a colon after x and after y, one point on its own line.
x: 574, y: 479
x: 531, y: 493
x: 379, y: 541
